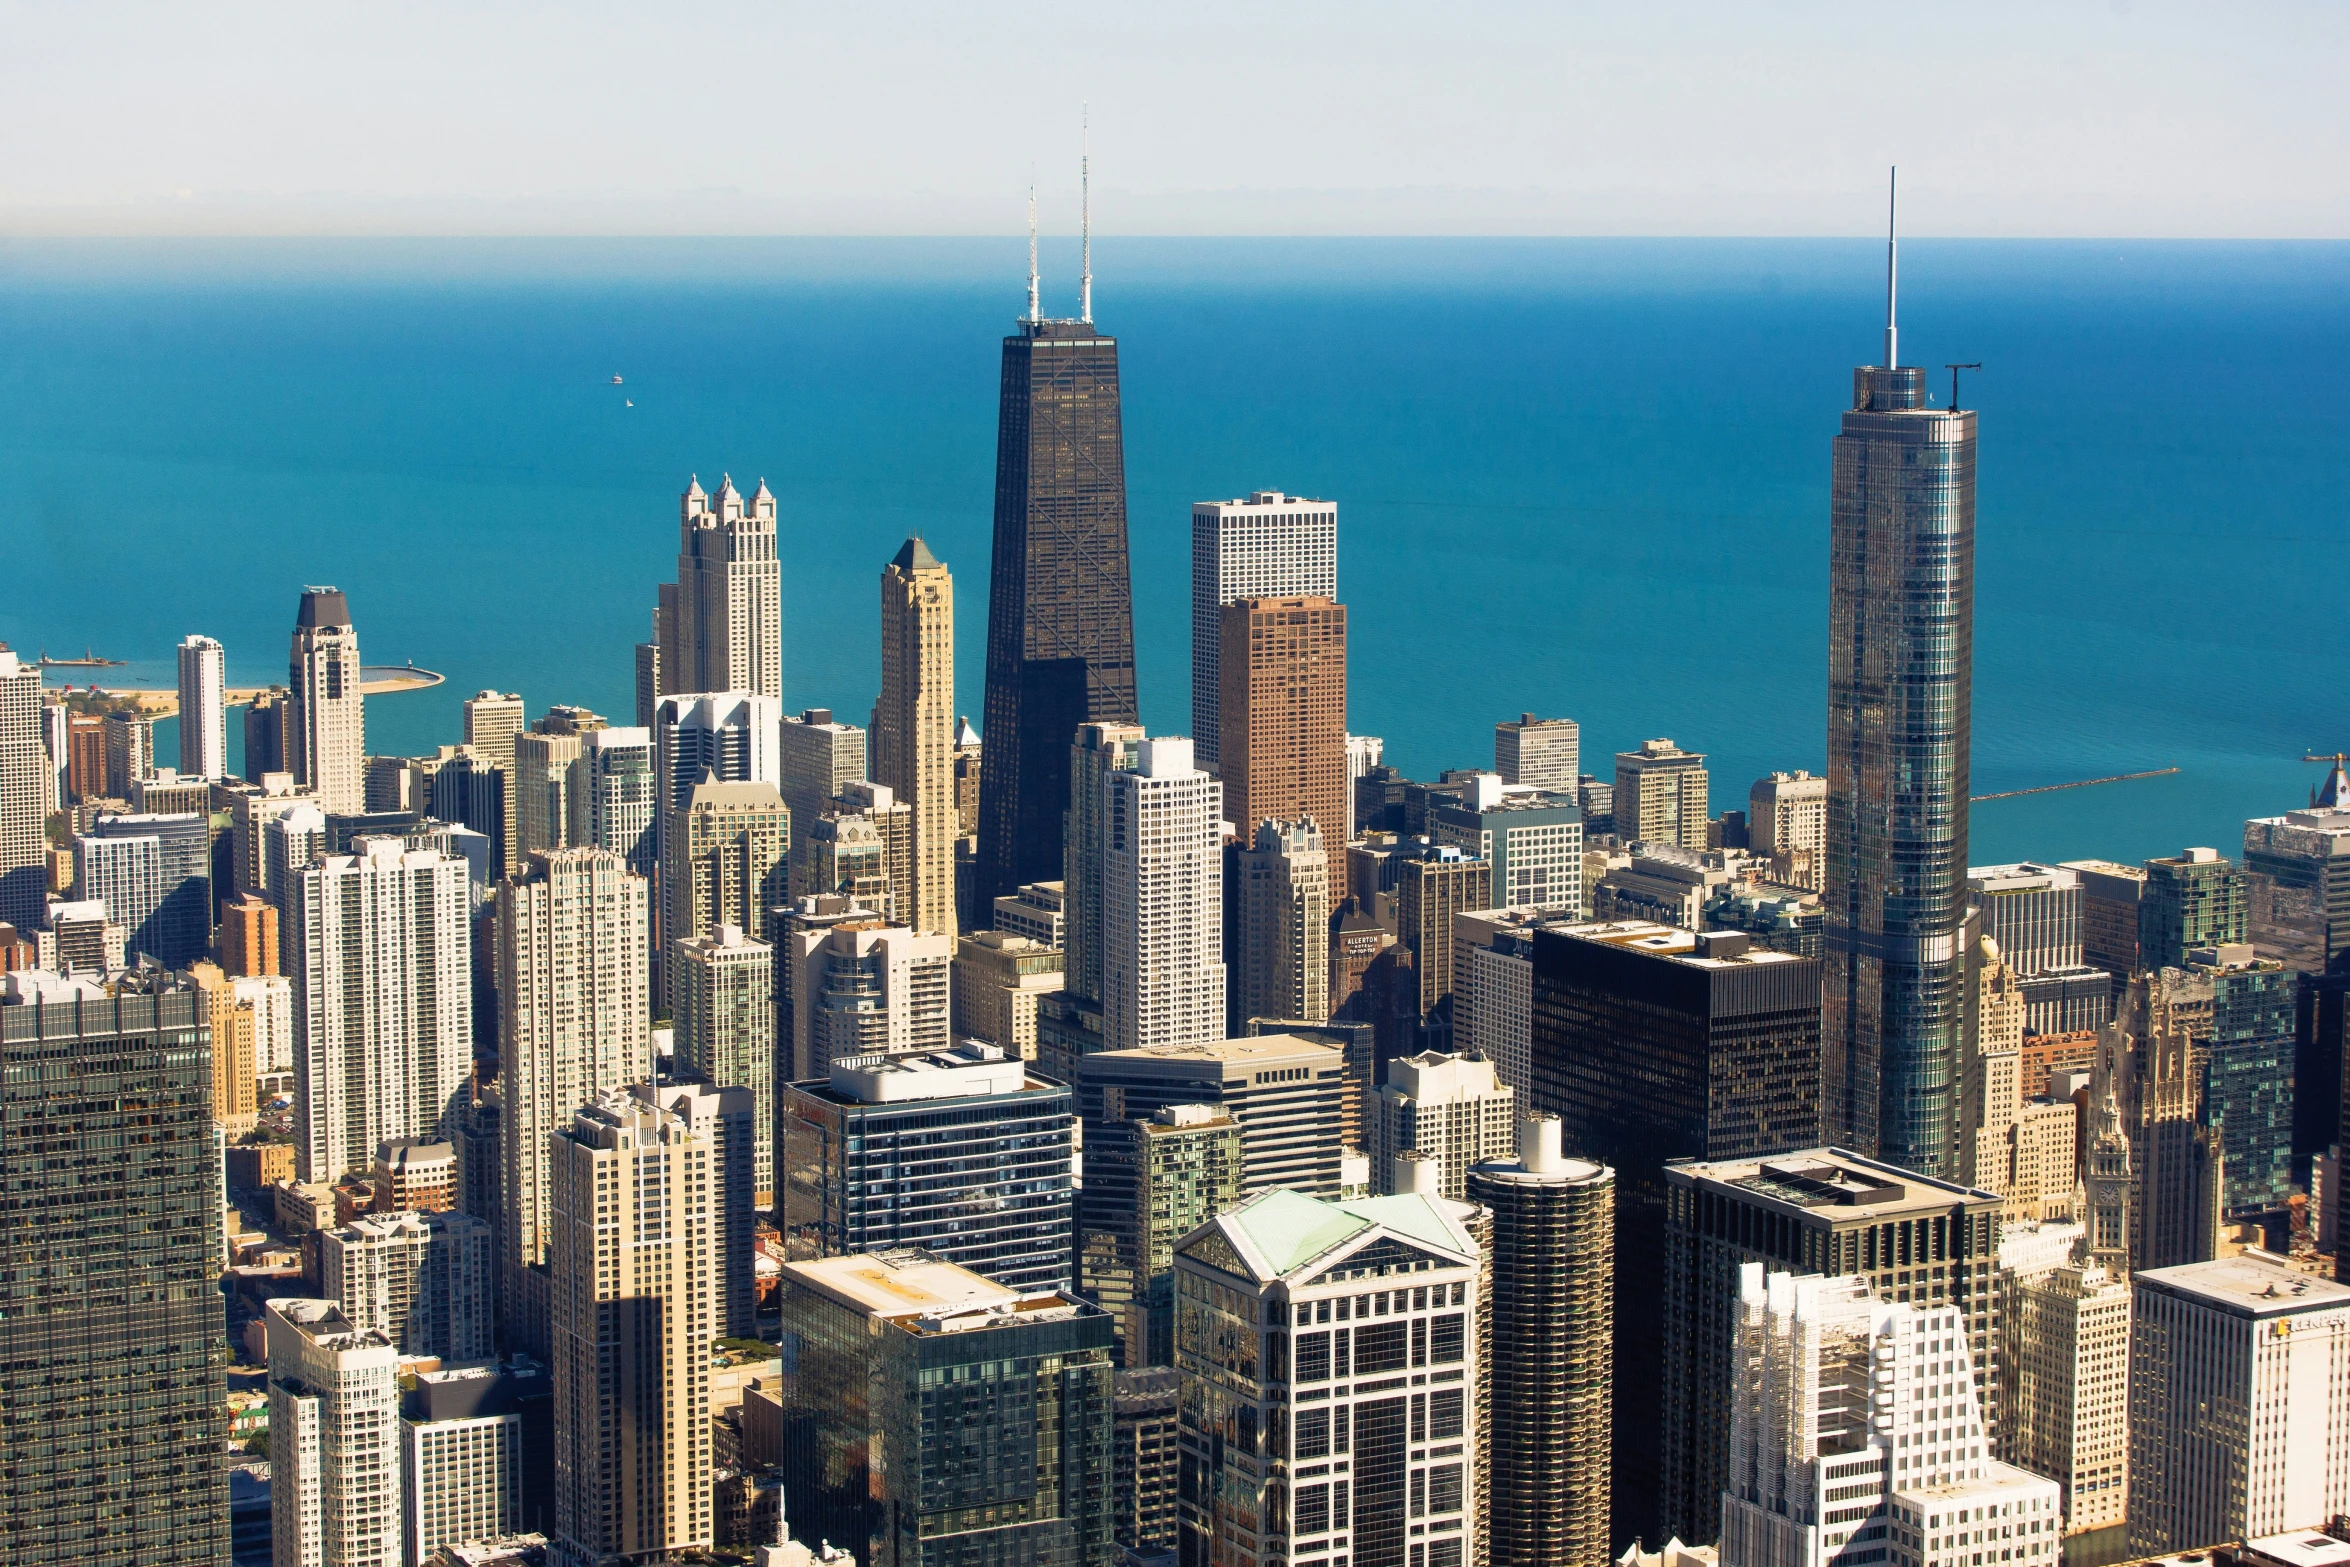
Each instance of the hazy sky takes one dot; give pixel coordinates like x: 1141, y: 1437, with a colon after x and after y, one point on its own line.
x: 2119, y: 117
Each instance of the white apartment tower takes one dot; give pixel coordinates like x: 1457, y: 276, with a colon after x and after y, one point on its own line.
x: 724, y: 736
x: 1451, y: 1108
x: 914, y: 725
x: 334, y: 1439
x: 1855, y: 1420
x: 1539, y: 753
x: 1493, y: 990
x: 203, y: 710
x: 1787, y: 821
x: 722, y: 1001
x: 574, y: 1020
x: 383, y: 999
x: 1162, y: 901
x: 1284, y: 946
x: 616, y: 798
x: 461, y: 1457
x: 863, y: 987
x: 545, y: 774
x: 720, y: 626
x: 633, y: 1305
x: 326, y: 717
x: 2239, y: 1403
x: 25, y: 788
x: 426, y: 1281
x: 1263, y: 545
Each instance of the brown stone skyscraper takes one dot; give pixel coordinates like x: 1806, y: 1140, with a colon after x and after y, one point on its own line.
x: 1283, y: 712
x: 913, y: 737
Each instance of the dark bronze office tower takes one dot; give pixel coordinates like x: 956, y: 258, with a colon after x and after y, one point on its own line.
x: 108, y: 1304
x: 1060, y: 614
x: 1901, y: 619
x: 1652, y: 1044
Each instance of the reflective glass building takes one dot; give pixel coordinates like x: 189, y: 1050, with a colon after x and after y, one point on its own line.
x: 1901, y: 615
x: 1060, y: 614
x: 109, y: 1262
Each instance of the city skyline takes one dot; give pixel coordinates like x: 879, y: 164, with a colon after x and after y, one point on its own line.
x: 484, y: 1136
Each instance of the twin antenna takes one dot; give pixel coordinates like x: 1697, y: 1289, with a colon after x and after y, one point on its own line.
x: 1085, y: 189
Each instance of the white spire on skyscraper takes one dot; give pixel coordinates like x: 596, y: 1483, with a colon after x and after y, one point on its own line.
x: 1892, y: 269
x: 1085, y: 218
x: 1034, y: 313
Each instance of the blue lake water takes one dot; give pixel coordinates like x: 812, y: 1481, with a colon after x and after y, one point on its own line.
x: 1586, y: 478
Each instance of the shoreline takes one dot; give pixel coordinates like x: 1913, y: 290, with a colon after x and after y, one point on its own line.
x: 374, y: 680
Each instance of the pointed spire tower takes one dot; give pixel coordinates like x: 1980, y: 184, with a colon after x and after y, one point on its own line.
x: 1901, y: 613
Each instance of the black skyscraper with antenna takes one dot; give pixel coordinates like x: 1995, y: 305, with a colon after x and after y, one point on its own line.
x: 1060, y: 617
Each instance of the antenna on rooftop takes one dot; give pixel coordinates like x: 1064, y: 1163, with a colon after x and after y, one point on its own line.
x: 1034, y: 314
x: 1892, y: 269
x: 1085, y: 220
x: 1954, y: 369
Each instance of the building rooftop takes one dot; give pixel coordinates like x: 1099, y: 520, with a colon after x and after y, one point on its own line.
x: 2301, y: 1548
x: 915, y: 1291
x: 1260, y: 1049
x: 1995, y: 1477
x: 1282, y: 1230
x: 2023, y: 876
x: 1708, y: 949
x: 1832, y: 1178
x: 2251, y: 1284
x: 899, y: 1283
x: 971, y: 1069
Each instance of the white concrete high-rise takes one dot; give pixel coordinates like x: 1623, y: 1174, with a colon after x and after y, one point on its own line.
x: 461, y: 1455
x: 334, y: 1439
x: 1452, y: 1108
x: 862, y: 987
x: 1284, y: 939
x: 633, y: 1306
x: 1853, y: 1417
x: 546, y: 772
x: 728, y: 736
x: 722, y: 1001
x: 2239, y: 1402
x: 1539, y: 753
x: 203, y: 713
x: 817, y: 756
x: 382, y: 969
x: 492, y: 721
x: 1162, y: 901
x: 25, y: 789
x: 574, y: 1021
x: 1262, y: 545
x: 427, y: 1281
x: 326, y: 717
x: 616, y: 800
x: 1493, y: 990
x: 720, y: 626
x: 1787, y: 822
x: 914, y: 726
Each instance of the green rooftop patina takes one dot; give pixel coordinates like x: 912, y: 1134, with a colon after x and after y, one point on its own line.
x: 1288, y: 1229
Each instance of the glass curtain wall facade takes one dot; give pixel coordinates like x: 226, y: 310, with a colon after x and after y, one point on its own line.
x: 109, y: 1307
x: 1901, y: 615
x: 1060, y: 615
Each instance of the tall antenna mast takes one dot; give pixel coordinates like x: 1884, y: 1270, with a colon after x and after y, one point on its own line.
x: 1085, y: 222
x: 1892, y: 270
x: 1033, y: 313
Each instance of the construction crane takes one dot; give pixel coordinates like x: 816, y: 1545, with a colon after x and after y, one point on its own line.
x: 2335, y: 795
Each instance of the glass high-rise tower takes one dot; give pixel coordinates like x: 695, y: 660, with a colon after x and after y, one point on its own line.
x: 1060, y: 614
x: 1901, y: 616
